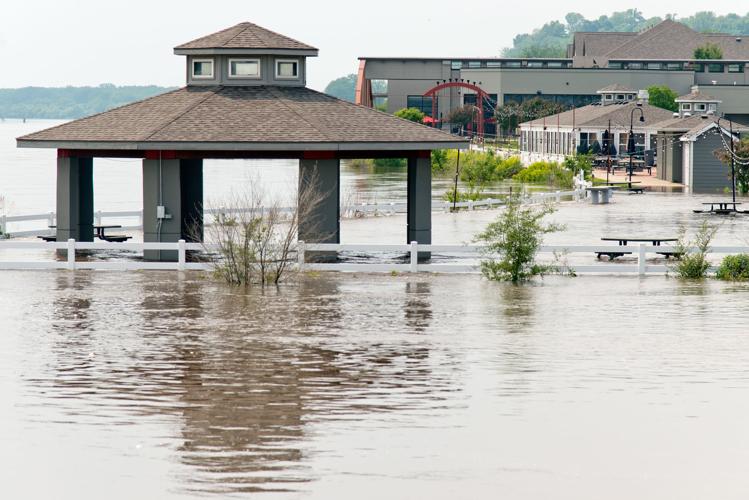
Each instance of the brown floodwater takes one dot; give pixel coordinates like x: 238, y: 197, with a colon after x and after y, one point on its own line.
x: 158, y: 385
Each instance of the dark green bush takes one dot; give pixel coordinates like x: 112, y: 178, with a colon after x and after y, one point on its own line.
x: 734, y: 268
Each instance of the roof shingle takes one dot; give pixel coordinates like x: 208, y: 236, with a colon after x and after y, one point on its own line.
x: 247, y: 115
x: 245, y: 36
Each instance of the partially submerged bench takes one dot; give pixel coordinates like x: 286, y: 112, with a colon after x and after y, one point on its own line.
x: 623, y: 241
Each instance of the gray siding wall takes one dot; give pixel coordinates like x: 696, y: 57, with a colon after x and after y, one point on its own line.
x: 669, y: 159
x: 709, y: 174
x: 267, y: 71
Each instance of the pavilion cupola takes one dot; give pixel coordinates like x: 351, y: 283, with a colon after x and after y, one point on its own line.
x: 697, y: 102
x: 246, y: 55
x: 617, y: 94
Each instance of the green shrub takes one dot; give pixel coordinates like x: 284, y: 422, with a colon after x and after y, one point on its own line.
x: 548, y: 173
x: 514, y: 237
x: 410, y: 114
x: 694, y: 265
x: 734, y: 268
x: 389, y: 162
x: 580, y: 162
x: 508, y: 167
x: 439, y: 161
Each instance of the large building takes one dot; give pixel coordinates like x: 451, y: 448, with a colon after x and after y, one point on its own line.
x: 660, y: 55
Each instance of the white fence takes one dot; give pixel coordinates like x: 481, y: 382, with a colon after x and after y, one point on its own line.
x: 472, y: 253
x: 8, y: 222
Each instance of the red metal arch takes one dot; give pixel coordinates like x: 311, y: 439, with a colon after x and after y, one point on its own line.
x: 480, y: 96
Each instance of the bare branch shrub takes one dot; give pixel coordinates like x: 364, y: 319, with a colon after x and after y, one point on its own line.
x: 256, y: 236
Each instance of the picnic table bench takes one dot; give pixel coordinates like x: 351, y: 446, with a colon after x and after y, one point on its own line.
x: 723, y: 207
x: 112, y: 238
x: 656, y: 242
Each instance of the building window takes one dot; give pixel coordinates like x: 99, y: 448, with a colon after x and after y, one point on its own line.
x: 715, y: 68
x: 673, y: 66
x: 655, y: 66
x: 287, y: 69
x: 244, y: 68
x: 456, y: 65
x: 202, y: 68
x: 474, y: 64
x: 686, y: 107
x: 609, y: 97
x: 423, y: 104
x: 699, y: 68
x: 535, y: 64
x: 736, y: 68
x: 512, y: 64
x: 619, y: 97
x: 615, y: 65
x: 635, y: 65
x: 493, y: 64
x: 700, y: 107
x: 556, y: 64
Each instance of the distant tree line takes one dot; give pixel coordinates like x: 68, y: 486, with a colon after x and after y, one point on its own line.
x: 70, y: 102
x: 345, y: 87
x: 551, y: 39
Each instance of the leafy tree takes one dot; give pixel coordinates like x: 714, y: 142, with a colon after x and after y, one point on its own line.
x: 345, y: 87
x: 463, y: 115
x: 512, y: 242
x: 410, y: 114
x: 741, y: 149
x: 661, y: 96
x: 708, y: 51
x: 512, y: 114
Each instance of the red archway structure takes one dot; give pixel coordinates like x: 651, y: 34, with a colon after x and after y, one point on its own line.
x: 480, y: 97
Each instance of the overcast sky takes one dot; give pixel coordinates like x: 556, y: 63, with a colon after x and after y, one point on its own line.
x: 87, y: 42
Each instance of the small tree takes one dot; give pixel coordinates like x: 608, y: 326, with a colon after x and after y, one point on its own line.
x: 410, y: 114
x: 463, y: 115
x: 661, y: 96
x: 256, y: 237
x: 741, y: 149
x: 708, y: 51
x: 515, y: 238
x: 694, y: 265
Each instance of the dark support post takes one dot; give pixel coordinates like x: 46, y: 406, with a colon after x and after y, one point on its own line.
x: 320, y: 180
x: 420, y: 201
x: 177, y: 186
x: 75, y: 198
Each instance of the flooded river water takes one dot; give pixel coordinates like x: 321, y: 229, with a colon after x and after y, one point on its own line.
x: 150, y: 385
x: 163, y: 385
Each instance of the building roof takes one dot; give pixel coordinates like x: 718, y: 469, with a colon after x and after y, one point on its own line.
x: 697, y: 95
x: 598, y: 43
x: 670, y: 40
x: 691, y: 127
x: 245, y: 36
x: 242, y: 118
x: 616, y: 87
x: 598, y: 116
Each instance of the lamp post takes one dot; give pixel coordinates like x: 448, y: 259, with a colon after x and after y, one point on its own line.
x: 631, y: 139
x: 607, y: 143
x: 733, y: 164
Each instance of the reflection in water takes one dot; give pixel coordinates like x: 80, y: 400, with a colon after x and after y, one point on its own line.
x: 244, y: 372
x: 518, y: 306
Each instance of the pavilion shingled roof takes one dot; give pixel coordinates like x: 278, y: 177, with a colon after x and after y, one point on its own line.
x: 597, y: 115
x: 249, y: 115
x: 245, y: 36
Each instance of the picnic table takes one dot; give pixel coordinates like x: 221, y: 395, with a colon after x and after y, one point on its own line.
x: 600, y: 194
x: 656, y: 242
x: 112, y: 238
x: 630, y: 188
x: 723, y: 207
x: 49, y: 237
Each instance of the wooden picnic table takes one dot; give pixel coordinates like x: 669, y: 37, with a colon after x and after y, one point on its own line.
x: 656, y: 242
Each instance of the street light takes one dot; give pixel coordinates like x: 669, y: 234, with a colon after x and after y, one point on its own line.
x: 631, y: 139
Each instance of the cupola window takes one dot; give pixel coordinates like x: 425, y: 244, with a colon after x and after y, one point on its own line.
x: 287, y: 69
x: 244, y: 68
x: 202, y: 68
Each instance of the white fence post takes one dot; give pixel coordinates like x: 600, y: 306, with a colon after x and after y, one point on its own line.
x: 181, y: 255
x: 51, y: 220
x: 300, y: 254
x: 470, y: 204
x: 140, y: 219
x: 97, y: 218
x: 414, y: 257
x: 558, y: 197
x: 71, y: 254
x: 3, y: 224
x: 641, y: 259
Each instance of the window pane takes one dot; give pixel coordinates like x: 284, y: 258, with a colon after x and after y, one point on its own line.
x: 715, y: 68
x: 202, y: 68
x: 287, y: 69
x: 245, y: 68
